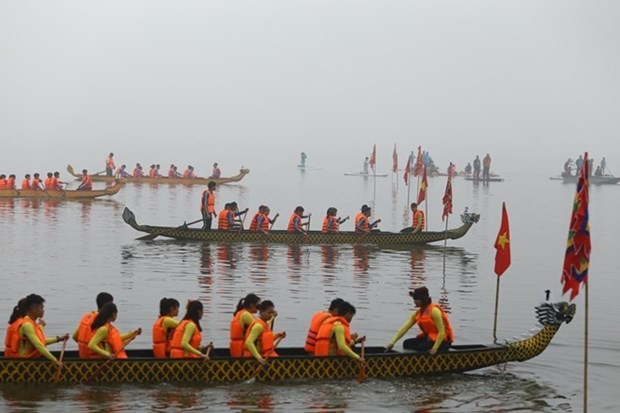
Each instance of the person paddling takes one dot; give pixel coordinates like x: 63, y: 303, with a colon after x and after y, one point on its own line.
x: 331, y: 224
x: 317, y: 320
x: 436, y: 335
x: 87, y: 182
x: 242, y: 319
x: 259, y: 338
x: 107, y: 341
x: 362, y: 222
x: 334, y: 336
x: 188, y: 335
x: 295, y: 222
x: 164, y: 326
x: 83, y: 333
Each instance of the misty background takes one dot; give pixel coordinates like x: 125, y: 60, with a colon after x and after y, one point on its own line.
x: 254, y: 83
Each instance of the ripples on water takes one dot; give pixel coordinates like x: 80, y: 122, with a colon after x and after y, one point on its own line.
x: 70, y: 251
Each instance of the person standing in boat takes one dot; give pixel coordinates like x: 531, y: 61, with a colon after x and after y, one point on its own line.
x: 419, y: 223
x: 241, y: 321
x: 317, y: 321
x: 486, y: 168
x: 467, y: 169
x: 362, y: 222
x: 83, y: 333
x: 164, y: 327
x: 331, y: 224
x: 107, y: 341
x: 25, y: 336
x: 295, y: 222
x: 109, y: 165
x: 216, y: 173
x: 302, y: 163
x: 567, y: 168
x: 365, y: 166
x: 334, y: 337
x: 578, y: 165
x: 477, y: 168
x: 188, y: 335
x: 87, y: 182
x: 259, y: 337
x: 207, y: 206
x: 436, y: 335
x: 603, y: 165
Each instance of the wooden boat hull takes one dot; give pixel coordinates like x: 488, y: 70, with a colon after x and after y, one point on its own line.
x: 291, y: 364
x: 595, y: 180
x: 363, y: 175
x: 313, y: 237
x: 164, y: 180
x: 491, y: 179
x: 65, y: 194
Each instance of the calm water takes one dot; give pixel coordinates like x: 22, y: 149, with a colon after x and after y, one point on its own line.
x: 68, y: 252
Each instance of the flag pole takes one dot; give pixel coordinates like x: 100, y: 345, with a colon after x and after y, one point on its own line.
x: 496, y: 306
x: 585, y: 355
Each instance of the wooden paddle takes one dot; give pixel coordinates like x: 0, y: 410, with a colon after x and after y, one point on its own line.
x: 209, y: 348
x: 148, y: 237
x: 273, y: 221
x: 361, y: 376
x: 260, y: 366
x: 107, y: 362
x: 62, y: 355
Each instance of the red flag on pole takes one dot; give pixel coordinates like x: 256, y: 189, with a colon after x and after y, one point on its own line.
x: 423, y: 186
x: 394, y: 160
x: 418, y: 163
x: 408, y: 169
x: 577, y: 258
x: 502, y: 244
x: 373, y: 158
x: 447, y: 198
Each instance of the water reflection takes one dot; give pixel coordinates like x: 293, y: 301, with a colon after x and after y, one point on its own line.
x: 251, y: 400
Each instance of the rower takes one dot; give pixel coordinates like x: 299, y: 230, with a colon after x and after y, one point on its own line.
x: 36, y: 183
x: 10, y: 183
x: 83, y: 332
x: 189, y: 172
x: 163, y: 328
x: 122, y: 172
x: 317, y: 320
x: 418, y: 220
x: 295, y: 223
x: 107, y: 341
x: 26, y: 182
x: 3, y: 181
x: 242, y: 319
x: 259, y: 337
x: 188, y: 335
x: 87, y: 182
x: 331, y: 224
x: 362, y: 224
x: 216, y: 173
x: 334, y: 336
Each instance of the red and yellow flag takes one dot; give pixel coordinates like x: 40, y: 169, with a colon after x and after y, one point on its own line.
x: 373, y: 158
x: 423, y: 186
x: 502, y: 245
x: 577, y: 258
x: 394, y: 160
x: 408, y: 169
x: 447, y: 198
x: 419, y: 164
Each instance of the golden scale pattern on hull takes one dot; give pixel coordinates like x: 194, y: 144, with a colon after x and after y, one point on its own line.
x: 227, y: 370
x: 313, y: 237
x: 60, y: 195
x: 165, y: 180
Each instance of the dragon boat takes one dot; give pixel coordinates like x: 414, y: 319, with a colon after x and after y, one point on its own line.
x: 183, y: 232
x: 292, y: 363
x: 166, y: 180
x: 61, y: 194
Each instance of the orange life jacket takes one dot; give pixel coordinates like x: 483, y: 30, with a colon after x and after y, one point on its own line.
x: 3, y: 183
x: 109, y: 163
x: 11, y: 341
x: 87, y: 182
x: 207, y: 203
x: 55, y: 184
x: 264, y: 342
x: 85, y: 333
x: 162, y: 339
x: 176, y: 351
x: 361, y: 223
x: 222, y: 220
x: 10, y: 183
x: 47, y: 183
x: 113, y: 342
x: 264, y: 223
x: 17, y: 337
x: 171, y: 173
x: 188, y: 174
x: 237, y: 334
x: 325, y: 342
x: 418, y: 214
x: 26, y: 184
x: 152, y: 172
x: 315, y: 324
x: 137, y: 173
x: 291, y: 222
x: 35, y: 184
x: 427, y: 325
x: 330, y: 222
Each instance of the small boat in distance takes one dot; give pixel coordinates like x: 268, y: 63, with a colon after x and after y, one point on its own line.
x: 363, y: 175
x: 291, y: 363
x: 491, y: 179
x: 594, y: 180
x: 165, y: 180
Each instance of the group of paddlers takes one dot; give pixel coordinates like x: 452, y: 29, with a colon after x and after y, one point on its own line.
x: 154, y: 170
x: 35, y: 182
x: 251, y: 335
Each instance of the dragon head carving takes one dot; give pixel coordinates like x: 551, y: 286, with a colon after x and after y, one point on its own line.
x: 555, y: 313
x: 469, y: 218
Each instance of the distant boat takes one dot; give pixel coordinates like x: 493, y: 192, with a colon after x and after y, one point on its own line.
x: 363, y: 175
x: 491, y: 179
x: 595, y: 180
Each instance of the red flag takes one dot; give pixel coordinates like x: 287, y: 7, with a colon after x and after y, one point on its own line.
x: 423, y: 186
x: 373, y: 158
x: 502, y: 245
x: 418, y: 163
x: 408, y: 169
x: 447, y: 198
x: 394, y: 160
x: 577, y: 258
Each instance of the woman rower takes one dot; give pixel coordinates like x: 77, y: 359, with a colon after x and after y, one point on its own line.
x: 25, y: 336
x: 107, y: 341
x: 188, y: 335
x: 331, y: 224
x: 243, y: 317
x: 334, y: 336
x: 436, y: 335
x: 259, y: 338
x: 163, y: 329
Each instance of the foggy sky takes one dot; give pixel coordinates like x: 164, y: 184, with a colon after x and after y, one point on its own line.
x: 257, y: 82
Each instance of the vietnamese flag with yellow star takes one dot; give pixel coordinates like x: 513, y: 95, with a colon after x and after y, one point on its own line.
x: 423, y: 186
x: 502, y: 245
